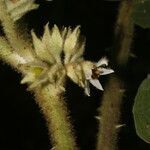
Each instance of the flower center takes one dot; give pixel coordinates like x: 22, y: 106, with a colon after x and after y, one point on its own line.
x: 96, y: 73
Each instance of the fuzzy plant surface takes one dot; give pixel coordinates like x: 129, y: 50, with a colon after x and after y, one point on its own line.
x: 49, y: 67
x: 45, y: 62
x: 18, y: 8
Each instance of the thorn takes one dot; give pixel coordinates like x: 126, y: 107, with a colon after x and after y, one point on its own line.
x: 120, y: 126
x: 122, y: 90
x: 98, y: 118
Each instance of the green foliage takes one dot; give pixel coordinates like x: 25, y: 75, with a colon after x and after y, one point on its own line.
x: 141, y: 13
x: 141, y: 111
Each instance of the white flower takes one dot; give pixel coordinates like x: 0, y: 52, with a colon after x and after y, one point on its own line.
x: 58, y: 54
x: 93, y: 74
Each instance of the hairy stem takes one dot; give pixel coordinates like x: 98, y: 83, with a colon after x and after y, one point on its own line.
x: 52, y: 104
x: 7, y: 55
x: 123, y: 33
x: 15, y: 39
x: 113, y: 96
x: 110, y: 118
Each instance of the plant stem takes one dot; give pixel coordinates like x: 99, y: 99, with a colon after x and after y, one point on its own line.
x: 109, y: 111
x: 15, y: 39
x: 123, y: 33
x: 51, y: 102
x: 110, y: 115
x: 10, y: 57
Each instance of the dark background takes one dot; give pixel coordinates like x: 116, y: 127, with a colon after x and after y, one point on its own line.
x: 22, y: 126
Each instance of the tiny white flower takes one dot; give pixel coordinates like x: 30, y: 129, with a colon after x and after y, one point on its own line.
x: 93, y: 74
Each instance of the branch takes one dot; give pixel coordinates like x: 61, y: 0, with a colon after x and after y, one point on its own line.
x: 123, y: 33
x: 51, y: 102
x: 110, y: 115
x: 7, y: 55
x: 17, y: 42
x: 109, y: 112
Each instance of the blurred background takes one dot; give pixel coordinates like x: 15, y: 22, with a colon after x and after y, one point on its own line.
x: 22, y: 126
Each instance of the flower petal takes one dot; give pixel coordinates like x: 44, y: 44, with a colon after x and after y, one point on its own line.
x: 29, y: 78
x: 87, y: 67
x: 102, y: 61
x: 105, y: 71
x: 96, y: 83
x: 46, y: 35
x: 71, y: 42
x: 71, y: 73
x: 40, y: 49
x: 56, y: 43
x: 38, y: 83
x: 79, y: 53
x: 75, y: 73
x: 87, y: 88
x: 88, y: 74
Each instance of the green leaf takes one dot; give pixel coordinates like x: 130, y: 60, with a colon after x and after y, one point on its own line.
x: 141, y: 111
x: 141, y: 13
